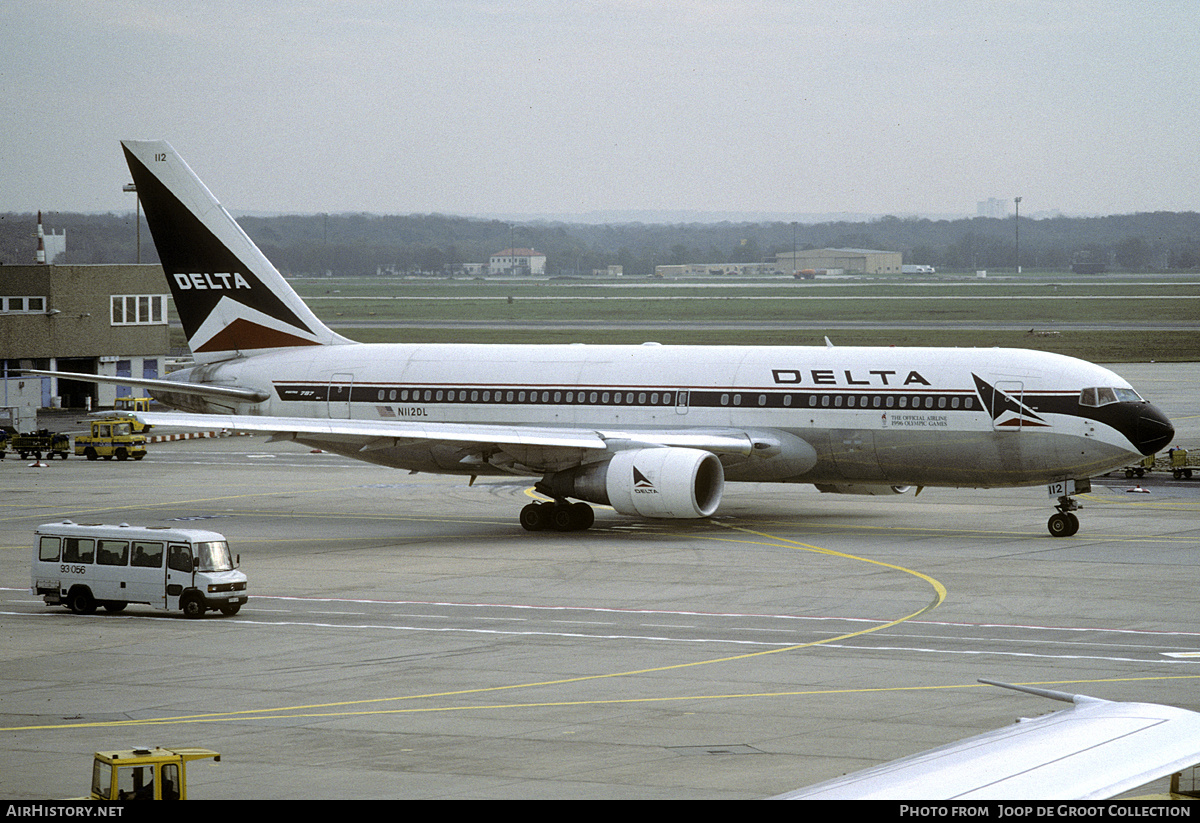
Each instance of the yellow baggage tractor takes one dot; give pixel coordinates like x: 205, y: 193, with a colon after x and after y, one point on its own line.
x: 145, y: 774
x: 112, y: 437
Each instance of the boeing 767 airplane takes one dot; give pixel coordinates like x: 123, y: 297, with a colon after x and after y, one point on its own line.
x: 652, y: 431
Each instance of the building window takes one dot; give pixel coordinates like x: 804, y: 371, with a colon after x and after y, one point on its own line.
x: 139, y: 309
x: 23, y: 305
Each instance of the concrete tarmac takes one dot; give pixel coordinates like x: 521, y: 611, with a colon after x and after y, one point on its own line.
x: 405, y: 638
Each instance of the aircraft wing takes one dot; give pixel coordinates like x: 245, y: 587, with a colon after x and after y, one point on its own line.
x: 380, y: 434
x: 1096, y: 749
x: 369, y: 434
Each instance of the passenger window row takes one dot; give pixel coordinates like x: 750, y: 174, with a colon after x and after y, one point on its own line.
x: 84, y: 550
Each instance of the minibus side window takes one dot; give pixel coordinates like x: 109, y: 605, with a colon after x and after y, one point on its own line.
x: 112, y: 552
x: 147, y: 555
x: 179, y: 558
x: 78, y: 549
x: 48, y: 549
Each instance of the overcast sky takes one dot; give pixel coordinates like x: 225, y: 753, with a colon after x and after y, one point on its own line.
x: 572, y: 106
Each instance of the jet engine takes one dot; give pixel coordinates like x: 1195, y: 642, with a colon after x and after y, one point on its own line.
x: 654, y: 482
x: 855, y: 488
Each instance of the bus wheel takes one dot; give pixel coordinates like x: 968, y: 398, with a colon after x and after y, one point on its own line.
x: 122, y: 454
x: 192, y: 606
x: 80, y: 600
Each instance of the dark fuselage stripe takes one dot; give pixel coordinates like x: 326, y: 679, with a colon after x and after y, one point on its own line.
x: 953, y: 400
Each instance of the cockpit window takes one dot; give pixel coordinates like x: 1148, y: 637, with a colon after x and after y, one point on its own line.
x: 1103, y: 395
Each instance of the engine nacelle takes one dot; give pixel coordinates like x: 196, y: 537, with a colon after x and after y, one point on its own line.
x: 655, y: 482
x: 854, y: 488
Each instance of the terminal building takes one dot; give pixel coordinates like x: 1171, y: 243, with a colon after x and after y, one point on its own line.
x: 517, y: 261
x: 93, y: 319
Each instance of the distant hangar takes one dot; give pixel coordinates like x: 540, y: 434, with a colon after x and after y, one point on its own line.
x: 848, y: 261
x: 830, y: 261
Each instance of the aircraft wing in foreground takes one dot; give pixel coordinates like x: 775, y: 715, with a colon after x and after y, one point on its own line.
x: 1094, y: 750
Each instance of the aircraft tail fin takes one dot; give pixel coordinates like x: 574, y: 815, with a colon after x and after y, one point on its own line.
x: 231, y: 300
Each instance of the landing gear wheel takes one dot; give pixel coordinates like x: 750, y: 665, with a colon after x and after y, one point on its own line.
x: 562, y: 517
x: 584, y: 516
x: 534, y: 517
x: 572, y: 517
x: 1063, y: 524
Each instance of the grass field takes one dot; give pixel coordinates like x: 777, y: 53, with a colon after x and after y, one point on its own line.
x: 1040, y: 312
x: 1119, y: 347
x: 1143, y: 317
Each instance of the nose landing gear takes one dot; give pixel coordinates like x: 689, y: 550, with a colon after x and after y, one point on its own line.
x: 1064, y: 523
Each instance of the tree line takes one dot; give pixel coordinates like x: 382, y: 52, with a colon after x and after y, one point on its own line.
x: 362, y: 244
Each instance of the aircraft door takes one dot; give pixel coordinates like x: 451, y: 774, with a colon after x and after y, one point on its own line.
x: 341, y: 385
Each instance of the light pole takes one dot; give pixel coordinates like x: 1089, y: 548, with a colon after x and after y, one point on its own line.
x: 1017, y: 229
x: 793, y: 248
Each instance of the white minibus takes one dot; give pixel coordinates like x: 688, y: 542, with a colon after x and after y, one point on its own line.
x: 83, y: 566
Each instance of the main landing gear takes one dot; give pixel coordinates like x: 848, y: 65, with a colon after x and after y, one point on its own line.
x: 1064, y: 523
x: 560, y: 516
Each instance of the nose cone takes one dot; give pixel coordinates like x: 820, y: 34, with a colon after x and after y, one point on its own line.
x: 1151, y: 430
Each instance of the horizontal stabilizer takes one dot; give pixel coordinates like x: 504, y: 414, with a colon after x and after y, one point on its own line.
x: 201, y: 389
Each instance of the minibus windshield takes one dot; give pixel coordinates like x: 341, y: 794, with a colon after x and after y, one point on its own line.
x: 213, y: 557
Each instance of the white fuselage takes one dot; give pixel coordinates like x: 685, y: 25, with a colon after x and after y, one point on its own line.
x: 904, y: 416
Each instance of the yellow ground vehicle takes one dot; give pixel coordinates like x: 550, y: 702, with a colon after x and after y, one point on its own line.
x: 1141, y: 467
x: 112, y: 437
x: 41, y: 442
x: 145, y: 774
x: 1180, y: 468
x: 128, y: 406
